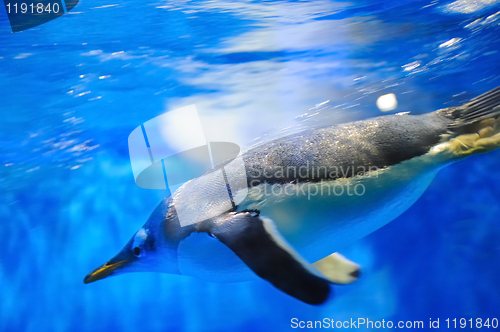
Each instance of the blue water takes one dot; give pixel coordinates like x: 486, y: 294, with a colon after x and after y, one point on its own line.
x: 73, y: 89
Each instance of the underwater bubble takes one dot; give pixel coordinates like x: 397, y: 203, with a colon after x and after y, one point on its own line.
x: 387, y: 102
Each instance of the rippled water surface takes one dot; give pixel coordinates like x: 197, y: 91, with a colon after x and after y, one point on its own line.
x: 73, y: 89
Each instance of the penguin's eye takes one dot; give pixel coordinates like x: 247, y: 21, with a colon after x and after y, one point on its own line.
x: 137, y: 251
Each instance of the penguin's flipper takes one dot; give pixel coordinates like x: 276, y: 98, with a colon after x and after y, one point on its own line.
x: 338, y: 269
x: 258, y: 244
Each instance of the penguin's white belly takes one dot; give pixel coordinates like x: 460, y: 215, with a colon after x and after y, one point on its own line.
x: 315, y: 218
x: 317, y: 226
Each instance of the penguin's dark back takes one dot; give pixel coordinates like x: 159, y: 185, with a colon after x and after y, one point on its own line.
x: 344, y: 150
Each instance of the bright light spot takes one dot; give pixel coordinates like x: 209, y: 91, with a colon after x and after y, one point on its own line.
x: 387, y: 102
x: 106, y: 6
x: 468, y: 6
x: 22, y: 55
x: 83, y: 93
x: 410, y: 66
x: 450, y: 42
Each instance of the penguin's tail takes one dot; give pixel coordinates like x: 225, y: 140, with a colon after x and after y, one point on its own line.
x: 474, y: 115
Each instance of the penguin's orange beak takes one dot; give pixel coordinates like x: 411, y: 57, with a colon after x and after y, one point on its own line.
x: 104, y: 271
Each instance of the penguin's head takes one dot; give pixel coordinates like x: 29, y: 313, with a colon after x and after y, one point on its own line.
x: 149, y: 250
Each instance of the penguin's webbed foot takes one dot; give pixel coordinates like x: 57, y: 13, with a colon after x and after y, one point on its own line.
x: 338, y: 269
x: 487, y: 138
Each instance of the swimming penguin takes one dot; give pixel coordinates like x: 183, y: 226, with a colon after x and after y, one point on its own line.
x: 308, y: 194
